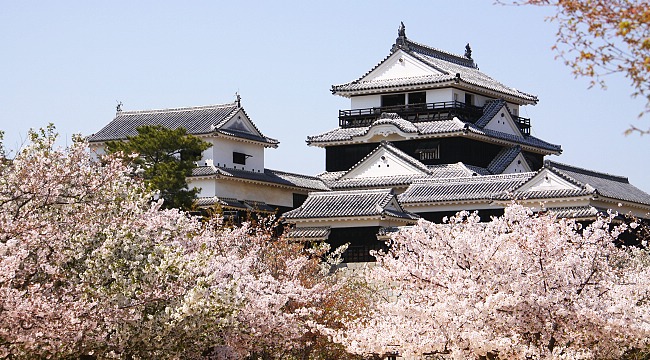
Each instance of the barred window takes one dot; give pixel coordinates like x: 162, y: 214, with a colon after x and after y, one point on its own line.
x: 432, y: 153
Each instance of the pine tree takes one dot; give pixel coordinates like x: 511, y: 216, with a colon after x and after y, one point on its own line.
x: 165, y: 159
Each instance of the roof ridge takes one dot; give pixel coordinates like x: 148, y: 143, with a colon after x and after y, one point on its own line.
x: 441, y: 54
x: 567, y: 167
x: 177, y: 109
x: 392, y: 148
x: 350, y: 192
x: 294, y: 174
x: 478, y: 178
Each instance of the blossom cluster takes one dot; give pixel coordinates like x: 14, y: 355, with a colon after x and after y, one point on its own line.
x: 521, y: 286
x: 90, y: 266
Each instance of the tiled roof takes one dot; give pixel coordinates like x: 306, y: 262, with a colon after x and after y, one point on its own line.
x: 545, y: 194
x: 440, y: 127
x: 612, y: 186
x: 197, y: 120
x: 350, y: 203
x: 309, y: 233
x: 374, y: 182
x: 475, y: 77
x: 588, y: 182
x: 332, y: 179
x: 504, y: 158
x: 270, y: 176
x: 395, y: 119
x: 387, y: 146
x: 578, y: 212
x: 227, y: 203
x: 490, y: 110
x: 462, y: 189
x: 453, y: 69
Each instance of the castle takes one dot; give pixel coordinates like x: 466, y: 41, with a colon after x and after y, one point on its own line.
x: 427, y: 135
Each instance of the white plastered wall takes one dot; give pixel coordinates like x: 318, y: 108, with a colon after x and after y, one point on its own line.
x: 256, y: 192
x: 222, y: 149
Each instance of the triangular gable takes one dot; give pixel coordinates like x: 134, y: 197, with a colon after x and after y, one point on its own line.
x: 503, y: 122
x: 241, y: 123
x: 400, y: 65
x: 518, y: 165
x: 394, y: 205
x: 547, y: 180
x: 385, y: 161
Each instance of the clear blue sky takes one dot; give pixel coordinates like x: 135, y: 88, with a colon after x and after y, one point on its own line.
x: 68, y: 62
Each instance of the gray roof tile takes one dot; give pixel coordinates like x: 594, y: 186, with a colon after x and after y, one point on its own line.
x: 577, y: 212
x: 434, y: 171
x: 270, y: 176
x: 448, y: 64
x: 309, y: 233
x: 589, y: 183
x: 436, y: 128
x: 198, y: 120
x: 461, y: 189
x: 546, y: 194
x: 490, y: 110
x: 387, y: 146
x: 350, y: 203
x: 612, y: 186
x: 504, y: 158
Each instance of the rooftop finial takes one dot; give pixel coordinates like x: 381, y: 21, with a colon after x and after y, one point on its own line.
x: 468, y: 51
x: 118, y: 108
x: 400, y: 42
x: 238, y: 99
x: 401, y: 32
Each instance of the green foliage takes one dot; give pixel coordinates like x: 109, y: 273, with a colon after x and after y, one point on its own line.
x: 165, y: 159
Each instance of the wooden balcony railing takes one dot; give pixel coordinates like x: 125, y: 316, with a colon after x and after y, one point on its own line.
x: 446, y: 110
x: 412, y: 112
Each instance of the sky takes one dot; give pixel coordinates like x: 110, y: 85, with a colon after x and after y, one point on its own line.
x: 70, y: 62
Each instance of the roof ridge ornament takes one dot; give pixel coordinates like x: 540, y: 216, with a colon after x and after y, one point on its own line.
x: 400, y: 42
x: 468, y: 51
x: 401, y: 32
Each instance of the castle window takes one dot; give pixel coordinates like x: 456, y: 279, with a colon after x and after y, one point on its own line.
x: 393, y: 100
x: 417, y: 98
x: 469, y: 99
x: 432, y: 153
x: 239, y: 158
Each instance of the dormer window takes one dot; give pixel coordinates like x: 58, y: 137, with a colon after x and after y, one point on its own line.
x: 239, y: 158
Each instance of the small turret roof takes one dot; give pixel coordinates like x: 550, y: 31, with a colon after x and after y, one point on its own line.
x: 197, y: 120
x: 350, y: 203
x: 449, y: 69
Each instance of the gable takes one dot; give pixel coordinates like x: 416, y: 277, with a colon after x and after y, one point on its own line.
x: 388, y: 132
x: 547, y: 180
x: 393, y: 205
x: 503, y: 122
x: 240, y: 123
x: 382, y: 163
x: 400, y: 65
x: 518, y: 165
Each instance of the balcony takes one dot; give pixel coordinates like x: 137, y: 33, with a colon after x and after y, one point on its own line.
x: 446, y: 110
x: 523, y: 124
x: 412, y: 112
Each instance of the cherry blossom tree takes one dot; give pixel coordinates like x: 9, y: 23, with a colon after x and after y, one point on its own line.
x: 596, y: 38
x: 90, y: 268
x: 520, y: 286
